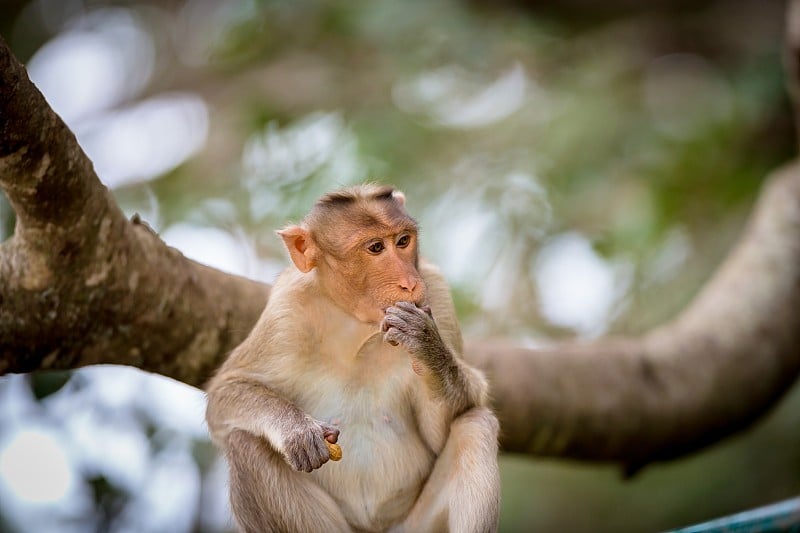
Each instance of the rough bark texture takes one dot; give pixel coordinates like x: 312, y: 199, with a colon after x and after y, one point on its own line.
x: 79, y: 285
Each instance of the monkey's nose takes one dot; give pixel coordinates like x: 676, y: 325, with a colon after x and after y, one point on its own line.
x: 408, y: 284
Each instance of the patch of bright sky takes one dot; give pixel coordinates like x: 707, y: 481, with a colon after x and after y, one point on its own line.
x: 103, y: 59
x: 100, y: 434
x: 578, y: 289
x: 461, y: 243
x: 89, y: 74
x: 16, y: 400
x: 469, y: 223
x: 114, y: 447
x: 175, y: 405
x: 40, y: 487
x: 169, y: 497
x: 108, y: 388
x: 222, y: 250
x: 146, y: 139
x: 46, y: 480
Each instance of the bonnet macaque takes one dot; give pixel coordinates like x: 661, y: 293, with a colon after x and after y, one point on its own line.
x: 358, y: 347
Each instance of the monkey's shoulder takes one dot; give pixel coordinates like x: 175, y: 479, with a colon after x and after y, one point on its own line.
x: 300, y: 322
x: 290, y: 314
x: 293, y: 289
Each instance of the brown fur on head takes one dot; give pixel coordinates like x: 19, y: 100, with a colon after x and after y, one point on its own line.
x: 363, y: 245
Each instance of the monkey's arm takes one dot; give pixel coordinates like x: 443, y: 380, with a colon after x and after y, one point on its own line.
x: 236, y: 402
x: 451, y: 380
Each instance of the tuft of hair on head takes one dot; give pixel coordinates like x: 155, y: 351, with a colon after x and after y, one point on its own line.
x: 364, y: 198
x: 360, y: 193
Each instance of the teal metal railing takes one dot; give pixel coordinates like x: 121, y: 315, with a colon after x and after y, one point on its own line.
x: 781, y: 516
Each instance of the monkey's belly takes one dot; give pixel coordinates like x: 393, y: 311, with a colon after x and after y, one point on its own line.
x: 384, y: 466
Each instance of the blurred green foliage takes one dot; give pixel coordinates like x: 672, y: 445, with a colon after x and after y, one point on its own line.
x: 648, y: 133
x: 630, y: 132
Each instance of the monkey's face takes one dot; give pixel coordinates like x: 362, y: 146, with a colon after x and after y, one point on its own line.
x: 374, y: 273
x: 363, y: 245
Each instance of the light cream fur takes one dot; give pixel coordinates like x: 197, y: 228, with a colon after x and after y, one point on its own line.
x: 412, y: 460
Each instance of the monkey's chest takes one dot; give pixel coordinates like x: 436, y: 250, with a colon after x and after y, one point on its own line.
x: 385, y: 460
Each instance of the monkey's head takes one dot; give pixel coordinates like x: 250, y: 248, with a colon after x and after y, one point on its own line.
x: 363, y: 246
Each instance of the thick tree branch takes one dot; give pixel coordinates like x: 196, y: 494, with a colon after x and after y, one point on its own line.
x: 80, y: 284
x: 718, y: 366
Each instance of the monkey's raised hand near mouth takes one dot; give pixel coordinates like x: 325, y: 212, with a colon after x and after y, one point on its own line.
x: 414, y: 328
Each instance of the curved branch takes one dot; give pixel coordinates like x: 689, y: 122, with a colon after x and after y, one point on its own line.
x: 714, y: 369
x: 720, y: 365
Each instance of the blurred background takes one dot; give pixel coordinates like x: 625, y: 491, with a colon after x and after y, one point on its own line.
x: 577, y: 171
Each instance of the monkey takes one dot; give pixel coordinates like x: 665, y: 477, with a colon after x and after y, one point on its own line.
x: 358, y: 345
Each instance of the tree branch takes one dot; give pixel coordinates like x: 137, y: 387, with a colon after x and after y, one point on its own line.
x: 714, y: 369
x: 80, y: 284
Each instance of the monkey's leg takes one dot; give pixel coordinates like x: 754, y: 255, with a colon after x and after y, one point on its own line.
x: 463, y: 492
x: 268, y: 495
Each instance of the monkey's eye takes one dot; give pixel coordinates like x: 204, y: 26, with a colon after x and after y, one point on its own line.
x: 404, y: 241
x: 375, y: 247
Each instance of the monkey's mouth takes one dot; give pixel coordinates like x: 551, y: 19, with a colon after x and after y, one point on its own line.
x: 422, y: 303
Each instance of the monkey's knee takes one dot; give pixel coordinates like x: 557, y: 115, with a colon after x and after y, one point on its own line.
x: 463, y: 491
x: 476, y: 503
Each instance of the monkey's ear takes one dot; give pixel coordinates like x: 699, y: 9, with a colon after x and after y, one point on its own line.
x: 298, y: 242
x: 399, y: 196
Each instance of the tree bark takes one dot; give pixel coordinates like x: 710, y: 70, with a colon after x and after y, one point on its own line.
x: 81, y: 285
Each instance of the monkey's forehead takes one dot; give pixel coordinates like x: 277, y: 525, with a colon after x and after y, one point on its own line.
x: 363, y: 215
x: 347, y: 233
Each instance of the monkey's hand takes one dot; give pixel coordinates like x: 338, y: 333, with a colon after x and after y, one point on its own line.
x: 304, y: 446
x: 413, y: 327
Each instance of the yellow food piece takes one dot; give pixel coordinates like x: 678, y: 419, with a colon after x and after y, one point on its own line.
x: 335, y: 451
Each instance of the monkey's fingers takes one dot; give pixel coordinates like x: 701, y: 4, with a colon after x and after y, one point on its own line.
x: 335, y: 450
